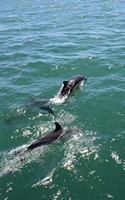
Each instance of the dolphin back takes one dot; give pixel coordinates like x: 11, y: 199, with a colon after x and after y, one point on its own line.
x: 48, y: 138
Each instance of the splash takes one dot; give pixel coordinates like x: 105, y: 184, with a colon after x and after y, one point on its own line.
x: 56, y: 99
x: 59, y: 99
x: 81, y: 144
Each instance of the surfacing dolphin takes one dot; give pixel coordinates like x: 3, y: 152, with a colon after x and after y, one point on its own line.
x: 70, y: 85
x: 49, y: 138
x: 45, y: 103
x: 53, y: 136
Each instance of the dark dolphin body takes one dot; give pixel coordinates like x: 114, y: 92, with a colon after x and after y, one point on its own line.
x: 35, y: 102
x: 39, y: 102
x: 70, y: 85
x: 51, y: 137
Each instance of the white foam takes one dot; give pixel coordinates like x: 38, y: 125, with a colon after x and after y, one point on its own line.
x: 57, y: 100
x: 17, y: 149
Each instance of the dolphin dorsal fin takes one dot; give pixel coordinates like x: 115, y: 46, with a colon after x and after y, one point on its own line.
x: 58, y: 127
x: 65, y: 83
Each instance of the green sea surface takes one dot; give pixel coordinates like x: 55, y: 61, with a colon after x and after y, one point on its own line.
x: 42, y: 44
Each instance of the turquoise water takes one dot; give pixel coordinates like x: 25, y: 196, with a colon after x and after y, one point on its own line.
x: 42, y: 44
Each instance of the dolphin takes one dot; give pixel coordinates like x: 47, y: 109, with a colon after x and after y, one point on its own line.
x: 47, y: 139
x: 35, y: 102
x: 70, y: 85
x: 51, y: 137
x: 45, y: 103
x: 39, y: 102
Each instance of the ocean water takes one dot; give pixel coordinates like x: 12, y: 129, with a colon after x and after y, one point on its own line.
x: 44, y: 43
